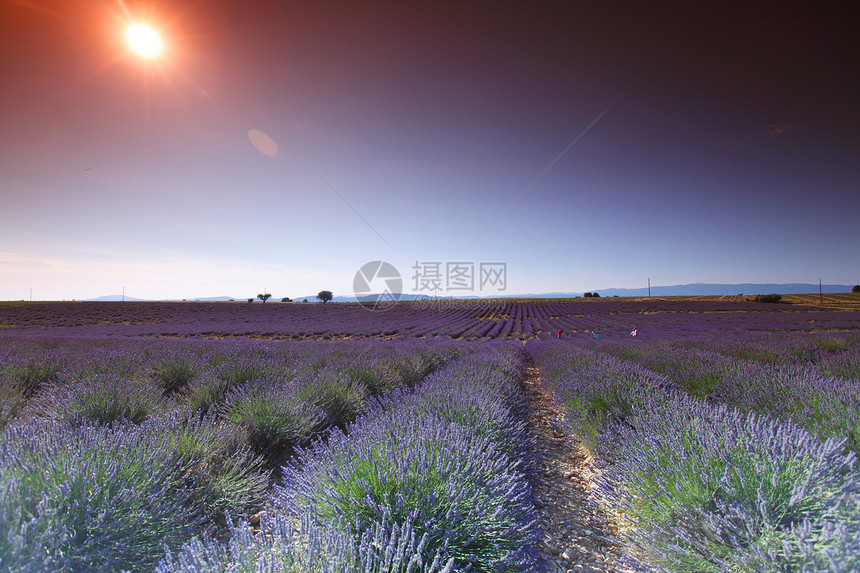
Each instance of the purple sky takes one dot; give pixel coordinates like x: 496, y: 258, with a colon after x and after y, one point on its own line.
x: 727, y: 149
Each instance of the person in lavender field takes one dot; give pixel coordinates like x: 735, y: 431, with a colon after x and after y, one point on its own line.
x: 595, y: 335
x: 634, y: 332
x: 559, y: 334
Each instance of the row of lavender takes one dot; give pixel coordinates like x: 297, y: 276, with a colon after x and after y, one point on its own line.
x: 473, y: 320
x: 433, y: 478
x: 113, y: 450
x: 105, y: 379
x: 704, y: 483
x: 814, y: 381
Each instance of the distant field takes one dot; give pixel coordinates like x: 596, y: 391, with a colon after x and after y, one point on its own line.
x: 838, y: 300
x: 496, y: 319
x: 843, y: 300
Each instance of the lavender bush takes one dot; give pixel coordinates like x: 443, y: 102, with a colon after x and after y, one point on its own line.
x: 433, y: 458
x: 826, y: 406
x: 599, y: 393
x: 708, y: 488
x: 224, y: 474
x: 481, y: 392
x: 231, y: 373
x: 439, y: 476
x: 283, y: 546
x: 85, y: 498
x: 700, y: 485
x: 276, y: 415
x: 341, y: 397
x: 174, y: 372
x: 102, y: 400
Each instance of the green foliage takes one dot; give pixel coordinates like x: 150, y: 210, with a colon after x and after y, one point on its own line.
x: 275, y: 415
x: 13, y: 398
x: 174, y: 372
x: 210, y: 390
x: 85, y: 498
x: 325, y: 296
x: 341, y: 397
x: 31, y: 375
x: 773, y: 298
x: 223, y: 473
x: 103, y: 400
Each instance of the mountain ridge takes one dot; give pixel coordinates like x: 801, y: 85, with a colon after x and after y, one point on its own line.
x: 691, y: 289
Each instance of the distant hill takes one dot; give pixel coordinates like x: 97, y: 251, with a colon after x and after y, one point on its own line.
x: 404, y: 296
x: 711, y: 289
x: 119, y: 297
x: 114, y: 298
x: 694, y: 289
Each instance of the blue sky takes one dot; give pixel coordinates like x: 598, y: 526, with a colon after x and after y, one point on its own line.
x: 726, y: 150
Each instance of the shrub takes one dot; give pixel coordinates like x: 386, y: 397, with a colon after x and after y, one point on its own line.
x: 423, y: 470
x: 210, y: 390
x: 708, y: 488
x: 340, y: 396
x: 696, y: 485
x: 276, y: 416
x: 87, y: 499
x: 174, y: 372
x: 223, y: 474
x: 102, y: 399
x: 768, y: 298
x: 28, y: 376
x: 283, y: 546
x: 13, y: 400
x: 476, y: 407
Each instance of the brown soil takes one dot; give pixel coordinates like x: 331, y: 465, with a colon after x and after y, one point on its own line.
x: 576, y: 534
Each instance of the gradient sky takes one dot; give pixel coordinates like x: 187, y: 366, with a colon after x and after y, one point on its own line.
x: 714, y: 142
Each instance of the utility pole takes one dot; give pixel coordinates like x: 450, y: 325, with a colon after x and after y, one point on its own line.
x: 123, y: 294
x: 31, y: 294
x: 820, y: 294
x: 649, y: 287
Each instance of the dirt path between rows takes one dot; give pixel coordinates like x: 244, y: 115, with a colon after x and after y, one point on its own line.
x: 575, y: 530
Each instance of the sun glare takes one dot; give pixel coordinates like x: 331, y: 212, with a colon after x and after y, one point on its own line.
x: 144, y: 41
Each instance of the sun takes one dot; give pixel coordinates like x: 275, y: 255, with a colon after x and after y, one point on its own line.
x: 144, y: 40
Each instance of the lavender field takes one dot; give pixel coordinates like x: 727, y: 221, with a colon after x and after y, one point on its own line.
x: 495, y: 319
x: 721, y: 455
x: 232, y: 437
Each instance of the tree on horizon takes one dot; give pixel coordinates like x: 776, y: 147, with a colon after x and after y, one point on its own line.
x: 325, y: 296
x: 264, y: 297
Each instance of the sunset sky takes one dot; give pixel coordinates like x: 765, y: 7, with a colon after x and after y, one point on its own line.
x: 280, y: 145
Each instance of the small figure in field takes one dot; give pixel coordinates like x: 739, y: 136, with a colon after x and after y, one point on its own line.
x: 634, y: 332
x: 595, y: 335
x: 559, y: 334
